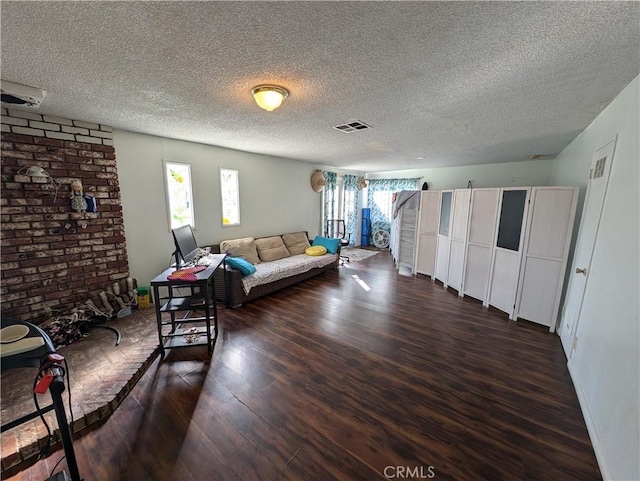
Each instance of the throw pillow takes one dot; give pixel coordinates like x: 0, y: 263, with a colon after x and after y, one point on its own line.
x: 296, y: 243
x: 271, y: 248
x: 330, y: 243
x: 245, y: 267
x: 245, y: 248
x: 316, y: 250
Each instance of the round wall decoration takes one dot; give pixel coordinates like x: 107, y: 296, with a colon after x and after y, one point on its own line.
x: 318, y: 181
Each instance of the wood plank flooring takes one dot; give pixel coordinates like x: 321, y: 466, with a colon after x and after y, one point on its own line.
x: 358, y: 374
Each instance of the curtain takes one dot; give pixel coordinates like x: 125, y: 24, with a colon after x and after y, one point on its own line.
x: 329, y: 194
x: 380, y: 195
x: 351, y: 206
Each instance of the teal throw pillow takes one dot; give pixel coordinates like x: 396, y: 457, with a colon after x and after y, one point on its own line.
x: 330, y: 243
x: 244, y: 266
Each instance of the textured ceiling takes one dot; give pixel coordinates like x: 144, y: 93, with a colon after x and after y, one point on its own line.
x: 441, y: 83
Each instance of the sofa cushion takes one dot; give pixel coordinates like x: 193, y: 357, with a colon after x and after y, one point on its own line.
x: 296, y: 243
x: 271, y: 248
x: 245, y: 248
x: 244, y: 266
x: 330, y: 243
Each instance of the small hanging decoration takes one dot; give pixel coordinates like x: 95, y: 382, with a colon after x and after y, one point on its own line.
x: 362, y: 183
x: 318, y: 181
x: 78, y: 202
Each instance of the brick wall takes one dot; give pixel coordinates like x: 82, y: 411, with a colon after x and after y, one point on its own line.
x: 53, y: 257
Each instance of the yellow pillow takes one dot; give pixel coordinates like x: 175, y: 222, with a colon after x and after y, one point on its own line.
x: 316, y: 250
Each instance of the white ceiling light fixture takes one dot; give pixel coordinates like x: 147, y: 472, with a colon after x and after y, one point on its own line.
x: 269, y: 97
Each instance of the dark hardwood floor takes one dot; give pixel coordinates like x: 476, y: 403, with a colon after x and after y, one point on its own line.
x: 358, y: 374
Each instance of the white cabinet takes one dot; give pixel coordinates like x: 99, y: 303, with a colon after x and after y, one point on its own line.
x: 427, y: 232
x: 549, y: 227
x: 507, y: 247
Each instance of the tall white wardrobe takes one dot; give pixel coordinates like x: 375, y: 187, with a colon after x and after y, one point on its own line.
x: 443, y: 244
x: 545, y: 252
x: 404, y: 228
x: 428, y: 222
x: 458, y: 238
x: 506, y: 247
x: 483, y: 216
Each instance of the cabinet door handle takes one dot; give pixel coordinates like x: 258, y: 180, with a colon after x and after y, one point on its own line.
x: 581, y: 271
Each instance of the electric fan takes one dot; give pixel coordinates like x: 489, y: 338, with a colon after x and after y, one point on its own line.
x: 381, y: 239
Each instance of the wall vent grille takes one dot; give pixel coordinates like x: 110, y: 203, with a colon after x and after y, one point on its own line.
x: 598, y: 171
x: 352, y: 126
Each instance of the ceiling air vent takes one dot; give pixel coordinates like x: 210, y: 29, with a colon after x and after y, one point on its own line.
x: 352, y: 126
x: 21, y: 95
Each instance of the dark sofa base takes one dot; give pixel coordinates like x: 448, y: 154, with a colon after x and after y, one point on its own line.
x: 231, y: 292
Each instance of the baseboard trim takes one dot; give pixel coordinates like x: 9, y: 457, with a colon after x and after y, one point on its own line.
x: 591, y: 428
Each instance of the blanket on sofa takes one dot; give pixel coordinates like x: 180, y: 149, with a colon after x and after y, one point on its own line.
x: 289, y: 266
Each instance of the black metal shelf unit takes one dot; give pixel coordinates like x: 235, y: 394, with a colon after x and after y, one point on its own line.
x: 179, y: 300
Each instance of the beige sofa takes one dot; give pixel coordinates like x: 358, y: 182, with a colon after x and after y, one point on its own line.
x: 280, y: 262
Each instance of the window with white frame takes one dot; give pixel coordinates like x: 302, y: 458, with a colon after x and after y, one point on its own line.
x: 179, y: 194
x: 229, y: 189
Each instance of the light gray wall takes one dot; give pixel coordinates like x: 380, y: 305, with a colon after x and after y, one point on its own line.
x: 605, y: 367
x: 275, y: 196
x: 507, y: 174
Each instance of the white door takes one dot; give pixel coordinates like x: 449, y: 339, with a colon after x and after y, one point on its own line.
x: 596, y: 192
x: 459, y: 224
x: 505, y: 268
x: 544, y: 261
x: 444, y: 237
x: 427, y: 232
x: 482, y: 226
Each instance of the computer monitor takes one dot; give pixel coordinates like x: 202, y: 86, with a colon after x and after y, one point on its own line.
x: 186, y: 245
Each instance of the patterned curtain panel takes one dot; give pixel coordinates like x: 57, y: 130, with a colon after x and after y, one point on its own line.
x: 380, y: 194
x: 329, y: 194
x: 351, y: 206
